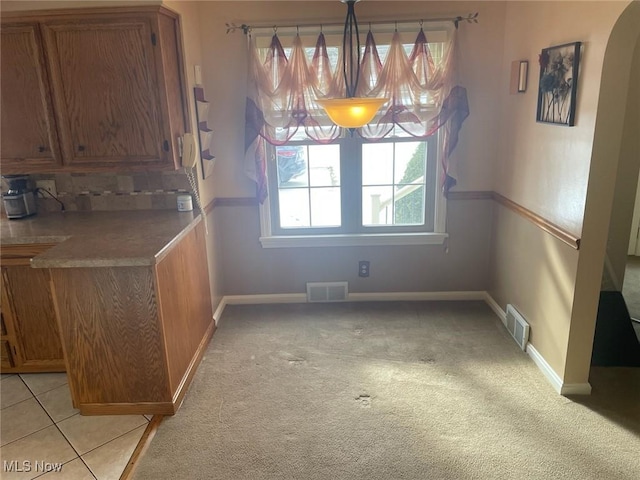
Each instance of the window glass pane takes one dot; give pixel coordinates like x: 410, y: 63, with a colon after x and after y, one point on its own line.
x: 294, y: 207
x: 325, y: 207
x: 292, y: 165
x: 399, y: 195
x: 409, y: 205
x: 377, y: 205
x: 377, y: 163
x: 410, y: 162
x: 324, y: 165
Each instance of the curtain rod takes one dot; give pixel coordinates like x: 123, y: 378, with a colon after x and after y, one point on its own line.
x: 232, y: 27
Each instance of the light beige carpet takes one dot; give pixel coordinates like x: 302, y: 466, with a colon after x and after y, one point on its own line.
x: 433, y: 390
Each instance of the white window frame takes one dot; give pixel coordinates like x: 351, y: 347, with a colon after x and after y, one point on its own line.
x: 436, y: 237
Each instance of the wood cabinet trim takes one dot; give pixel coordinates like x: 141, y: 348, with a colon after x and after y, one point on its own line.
x: 44, y: 15
x: 141, y: 447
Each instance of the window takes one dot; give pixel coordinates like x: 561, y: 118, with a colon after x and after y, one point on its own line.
x: 353, y: 192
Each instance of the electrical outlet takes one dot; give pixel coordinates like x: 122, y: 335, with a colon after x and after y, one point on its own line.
x: 363, y: 268
x: 49, y: 186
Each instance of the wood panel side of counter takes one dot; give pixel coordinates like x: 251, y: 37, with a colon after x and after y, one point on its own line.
x: 111, y: 336
x: 185, y: 306
x: 133, y: 336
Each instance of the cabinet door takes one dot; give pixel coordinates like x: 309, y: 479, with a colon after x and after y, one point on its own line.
x: 6, y: 357
x: 28, y: 131
x: 34, y: 326
x: 6, y: 361
x: 106, y: 91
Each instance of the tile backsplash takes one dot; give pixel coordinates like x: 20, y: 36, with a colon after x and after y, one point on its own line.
x: 112, y: 191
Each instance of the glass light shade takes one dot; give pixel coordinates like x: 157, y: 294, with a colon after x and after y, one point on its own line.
x: 351, y: 112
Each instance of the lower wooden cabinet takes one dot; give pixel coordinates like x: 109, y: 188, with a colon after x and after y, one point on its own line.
x: 30, y: 338
x: 5, y: 355
x: 133, y: 336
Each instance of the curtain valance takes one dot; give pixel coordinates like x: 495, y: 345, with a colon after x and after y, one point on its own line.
x: 422, y: 88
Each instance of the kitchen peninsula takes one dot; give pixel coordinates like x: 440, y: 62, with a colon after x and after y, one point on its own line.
x: 132, y: 302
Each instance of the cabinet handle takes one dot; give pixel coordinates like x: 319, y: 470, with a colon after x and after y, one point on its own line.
x: 42, y: 149
x: 81, y: 148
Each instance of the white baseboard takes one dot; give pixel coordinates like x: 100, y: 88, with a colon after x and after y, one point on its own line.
x: 497, y: 309
x: 553, y: 378
x: 256, y: 300
x: 576, y: 389
x: 414, y: 296
x: 218, y: 313
x: 266, y: 298
x: 352, y: 297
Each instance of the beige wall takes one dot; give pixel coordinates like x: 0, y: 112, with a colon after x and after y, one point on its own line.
x: 247, y: 267
x: 545, y: 167
x: 548, y: 169
x: 190, y: 17
x: 536, y: 273
x: 225, y: 69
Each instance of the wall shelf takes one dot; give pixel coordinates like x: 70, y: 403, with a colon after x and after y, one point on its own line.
x: 205, y: 134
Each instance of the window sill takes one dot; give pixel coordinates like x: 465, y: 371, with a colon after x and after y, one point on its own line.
x: 353, y: 240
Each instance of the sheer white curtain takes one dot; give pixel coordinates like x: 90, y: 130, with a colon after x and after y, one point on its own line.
x: 424, y: 96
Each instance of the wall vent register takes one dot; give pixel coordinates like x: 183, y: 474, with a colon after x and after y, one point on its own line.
x: 327, y: 291
x: 517, y: 326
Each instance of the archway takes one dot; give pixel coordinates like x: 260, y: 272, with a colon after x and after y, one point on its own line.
x: 612, y: 150
x: 615, y: 342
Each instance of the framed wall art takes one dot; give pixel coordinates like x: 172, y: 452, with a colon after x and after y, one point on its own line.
x: 558, y: 84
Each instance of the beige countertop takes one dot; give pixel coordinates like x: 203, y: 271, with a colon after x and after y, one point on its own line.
x: 100, y: 239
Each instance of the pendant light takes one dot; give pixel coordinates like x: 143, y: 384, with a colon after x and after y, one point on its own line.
x: 352, y: 111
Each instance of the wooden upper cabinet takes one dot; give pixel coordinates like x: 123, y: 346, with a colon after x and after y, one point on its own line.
x: 117, y: 88
x: 27, y: 130
x: 106, y: 91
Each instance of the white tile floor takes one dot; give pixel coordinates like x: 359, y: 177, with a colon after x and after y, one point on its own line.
x: 38, y: 425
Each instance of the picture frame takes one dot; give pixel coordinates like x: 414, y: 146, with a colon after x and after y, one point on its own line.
x: 558, y: 86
